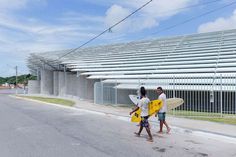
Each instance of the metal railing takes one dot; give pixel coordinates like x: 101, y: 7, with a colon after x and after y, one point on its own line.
x: 206, y: 96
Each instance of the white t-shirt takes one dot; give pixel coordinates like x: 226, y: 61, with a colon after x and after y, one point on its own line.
x: 143, y: 104
x: 162, y: 97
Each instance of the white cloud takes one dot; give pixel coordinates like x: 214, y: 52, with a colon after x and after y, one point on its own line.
x: 148, y: 17
x: 219, y: 24
x: 12, y: 4
x: 72, y: 28
x: 21, y: 35
x: 26, y: 34
x: 114, y: 14
x: 75, y: 17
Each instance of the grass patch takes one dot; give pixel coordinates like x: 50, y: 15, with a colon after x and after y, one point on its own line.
x: 52, y: 100
x: 212, y: 117
x: 124, y: 106
x: 224, y: 120
x: 193, y: 113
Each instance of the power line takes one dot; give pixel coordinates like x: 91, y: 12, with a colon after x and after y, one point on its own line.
x: 167, y: 28
x: 194, y: 17
x: 110, y: 28
x: 168, y: 11
x: 107, y: 30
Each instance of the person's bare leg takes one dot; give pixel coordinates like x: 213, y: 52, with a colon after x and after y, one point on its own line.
x: 149, y: 134
x: 161, y: 126
x: 149, y: 125
x: 140, y: 130
x: 168, y: 128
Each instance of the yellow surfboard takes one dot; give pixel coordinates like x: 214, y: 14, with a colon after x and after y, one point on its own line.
x: 153, y: 107
x: 136, y: 116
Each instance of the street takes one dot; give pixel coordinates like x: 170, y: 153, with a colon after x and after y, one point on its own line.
x: 31, y: 129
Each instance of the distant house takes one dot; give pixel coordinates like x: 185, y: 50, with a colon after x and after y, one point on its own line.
x: 5, y: 84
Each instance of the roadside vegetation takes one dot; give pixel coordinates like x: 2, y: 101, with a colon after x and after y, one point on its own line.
x: 51, y: 100
x: 212, y: 117
x: 22, y: 79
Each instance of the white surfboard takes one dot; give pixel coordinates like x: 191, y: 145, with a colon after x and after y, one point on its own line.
x: 173, y: 103
x: 134, y: 98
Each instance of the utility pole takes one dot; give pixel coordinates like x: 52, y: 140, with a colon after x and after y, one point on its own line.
x: 16, y: 80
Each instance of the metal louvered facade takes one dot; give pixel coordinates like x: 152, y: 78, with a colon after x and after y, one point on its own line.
x: 198, y: 62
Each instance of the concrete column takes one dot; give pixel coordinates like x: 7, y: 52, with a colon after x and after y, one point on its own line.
x: 46, y: 82
x: 71, y: 84
x: 55, y: 83
x: 82, y: 87
x: 61, y: 84
x: 90, y: 87
x: 85, y: 87
x: 33, y: 87
x: 79, y: 86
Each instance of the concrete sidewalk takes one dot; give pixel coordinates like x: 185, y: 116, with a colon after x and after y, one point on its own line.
x: 189, y: 125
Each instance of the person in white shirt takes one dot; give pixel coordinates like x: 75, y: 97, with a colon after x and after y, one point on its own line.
x: 143, y: 104
x: 162, y: 111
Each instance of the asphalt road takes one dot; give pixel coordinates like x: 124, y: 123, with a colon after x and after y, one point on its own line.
x: 30, y: 129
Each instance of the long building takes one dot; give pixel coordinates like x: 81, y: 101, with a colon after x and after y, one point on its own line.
x: 201, y: 68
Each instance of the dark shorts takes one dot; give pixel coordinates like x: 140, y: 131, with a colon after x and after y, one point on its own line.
x: 161, y: 116
x: 144, y: 121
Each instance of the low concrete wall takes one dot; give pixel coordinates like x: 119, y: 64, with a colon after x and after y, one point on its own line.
x: 63, y: 84
x: 123, y: 96
x: 34, y: 87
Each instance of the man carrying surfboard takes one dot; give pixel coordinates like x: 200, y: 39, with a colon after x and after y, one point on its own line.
x: 143, y: 105
x: 162, y: 112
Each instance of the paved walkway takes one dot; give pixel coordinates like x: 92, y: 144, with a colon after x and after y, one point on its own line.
x: 196, y: 125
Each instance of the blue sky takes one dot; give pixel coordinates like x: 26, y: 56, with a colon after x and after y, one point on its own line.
x: 28, y: 26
